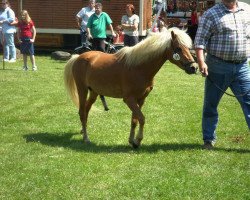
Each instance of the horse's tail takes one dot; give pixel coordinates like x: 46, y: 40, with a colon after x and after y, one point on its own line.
x: 69, y: 80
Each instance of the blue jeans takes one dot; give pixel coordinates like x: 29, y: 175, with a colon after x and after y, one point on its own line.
x: 84, y: 37
x: 224, y: 75
x: 9, y: 46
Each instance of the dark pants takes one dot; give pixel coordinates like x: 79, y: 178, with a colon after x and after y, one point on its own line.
x: 130, y: 40
x: 84, y: 37
x: 192, y: 31
x: 98, y: 44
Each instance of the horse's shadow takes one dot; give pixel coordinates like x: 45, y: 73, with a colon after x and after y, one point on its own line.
x: 65, y: 140
x: 9, y: 69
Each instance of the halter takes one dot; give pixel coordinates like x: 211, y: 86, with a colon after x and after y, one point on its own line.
x: 177, y: 57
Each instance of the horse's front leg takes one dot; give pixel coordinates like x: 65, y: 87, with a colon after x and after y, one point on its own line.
x: 139, y: 136
x: 134, y: 122
x: 136, y: 115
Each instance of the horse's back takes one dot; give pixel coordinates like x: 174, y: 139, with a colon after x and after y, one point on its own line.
x: 101, y: 72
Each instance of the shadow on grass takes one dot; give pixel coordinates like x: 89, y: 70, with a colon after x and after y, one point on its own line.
x: 65, y: 140
x: 9, y: 69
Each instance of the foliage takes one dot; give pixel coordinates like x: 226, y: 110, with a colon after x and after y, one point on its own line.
x: 43, y: 156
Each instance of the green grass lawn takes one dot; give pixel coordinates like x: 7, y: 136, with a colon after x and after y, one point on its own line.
x: 43, y: 156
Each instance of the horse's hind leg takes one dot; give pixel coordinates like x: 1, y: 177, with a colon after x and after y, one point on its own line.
x: 84, y: 112
x: 83, y: 92
x: 104, y: 103
x: 92, y: 98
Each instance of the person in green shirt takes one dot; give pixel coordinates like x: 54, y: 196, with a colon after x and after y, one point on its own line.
x: 96, y: 28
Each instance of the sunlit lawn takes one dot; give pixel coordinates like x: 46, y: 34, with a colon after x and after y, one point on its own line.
x: 43, y: 156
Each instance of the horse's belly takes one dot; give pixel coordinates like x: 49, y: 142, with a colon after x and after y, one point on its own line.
x: 107, y: 88
x: 105, y: 81
x: 113, y: 91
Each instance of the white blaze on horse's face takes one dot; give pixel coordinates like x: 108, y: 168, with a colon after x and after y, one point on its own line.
x: 176, y: 56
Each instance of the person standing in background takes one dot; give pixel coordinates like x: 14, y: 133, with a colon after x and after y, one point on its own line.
x: 119, y: 38
x: 96, y: 28
x: 26, y: 35
x: 224, y: 32
x: 194, y: 24
x: 130, y: 23
x: 82, y: 18
x: 200, y: 16
x: 96, y: 31
x: 157, y: 6
x: 7, y: 17
x: 162, y: 21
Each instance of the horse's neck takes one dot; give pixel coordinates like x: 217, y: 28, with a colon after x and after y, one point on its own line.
x: 156, y: 63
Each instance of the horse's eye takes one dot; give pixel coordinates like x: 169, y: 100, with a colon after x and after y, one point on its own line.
x: 178, y: 50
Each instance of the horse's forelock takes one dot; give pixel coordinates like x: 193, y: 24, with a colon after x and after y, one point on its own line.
x: 182, y: 37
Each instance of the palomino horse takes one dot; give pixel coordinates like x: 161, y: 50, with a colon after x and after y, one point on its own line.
x: 127, y: 74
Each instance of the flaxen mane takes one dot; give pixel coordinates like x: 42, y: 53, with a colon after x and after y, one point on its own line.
x: 152, y: 46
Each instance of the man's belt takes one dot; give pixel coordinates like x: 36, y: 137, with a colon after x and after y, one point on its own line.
x: 235, y: 61
x: 229, y: 61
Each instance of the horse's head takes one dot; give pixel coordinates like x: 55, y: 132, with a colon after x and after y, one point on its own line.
x: 180, y: 54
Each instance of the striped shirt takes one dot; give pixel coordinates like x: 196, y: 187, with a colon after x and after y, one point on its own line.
x: 225, y: 34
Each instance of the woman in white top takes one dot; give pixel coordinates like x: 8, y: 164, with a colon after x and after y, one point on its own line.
x: 130, y: 23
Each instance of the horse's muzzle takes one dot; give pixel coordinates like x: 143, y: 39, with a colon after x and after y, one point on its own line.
x: 192, y: 68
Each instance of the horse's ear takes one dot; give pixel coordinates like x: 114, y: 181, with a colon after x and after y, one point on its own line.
x: 173, y: 35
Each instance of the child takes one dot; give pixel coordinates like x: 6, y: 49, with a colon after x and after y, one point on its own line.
x: 119, y: 38
x: 26, y: 35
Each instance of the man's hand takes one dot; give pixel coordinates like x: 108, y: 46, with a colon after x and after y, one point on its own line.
x: 113, y: 34
x: 90, y: 37
x: 203, y: 69
x: 201, y: 62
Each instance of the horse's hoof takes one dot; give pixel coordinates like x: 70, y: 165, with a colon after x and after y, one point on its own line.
x: 134, y: 144
x: 86, y: 141
x: 106, y: 109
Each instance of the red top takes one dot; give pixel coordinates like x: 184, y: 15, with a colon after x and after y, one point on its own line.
x: 25, y: 29
x: 119, y: 39
x: 194, y: 18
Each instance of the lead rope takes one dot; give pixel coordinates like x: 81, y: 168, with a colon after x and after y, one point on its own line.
x: 231, y: 95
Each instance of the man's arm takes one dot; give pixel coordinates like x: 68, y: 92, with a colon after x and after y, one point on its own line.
x: 89, y: 33
x: 201, y: 61
x: 112, y: 30
x: 78, y: 21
